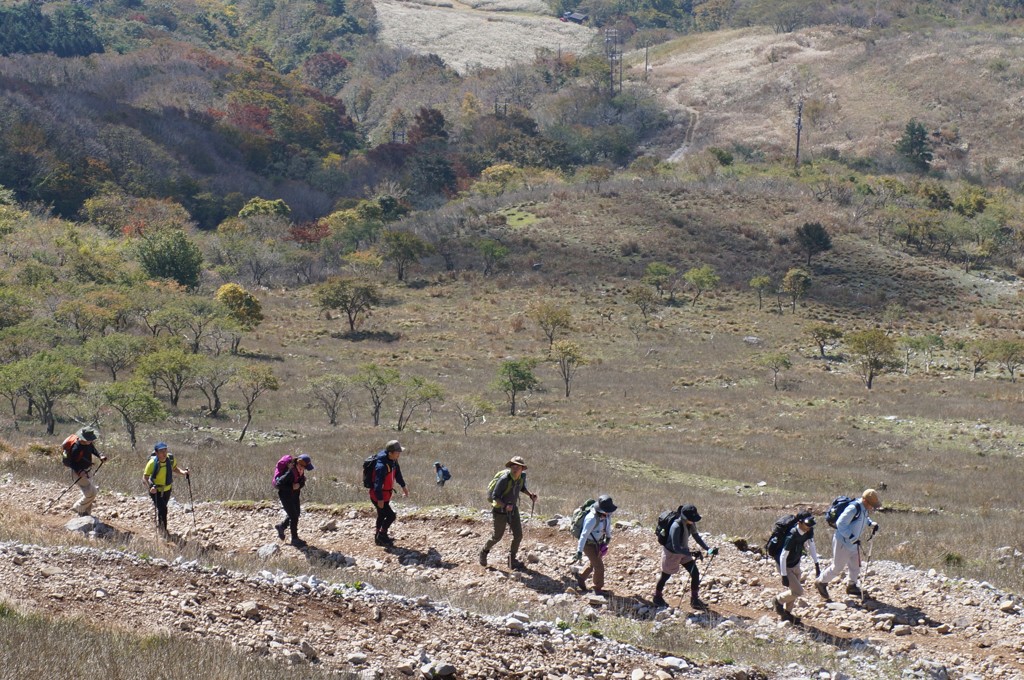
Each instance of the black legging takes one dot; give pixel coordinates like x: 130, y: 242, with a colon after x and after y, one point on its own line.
x: 385, y: 518
x: 691, y: 567
x: 160, y: 500
x: 290, y: 503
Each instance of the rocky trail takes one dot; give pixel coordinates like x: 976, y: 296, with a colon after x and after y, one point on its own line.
x: 344, y: 619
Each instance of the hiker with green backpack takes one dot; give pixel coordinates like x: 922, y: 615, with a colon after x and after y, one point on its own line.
x: 595, y: 533
x: 675, y: 552
x: 158, y: 478
x: 503, y: 493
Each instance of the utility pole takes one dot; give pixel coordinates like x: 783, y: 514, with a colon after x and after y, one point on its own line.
x: 799, y: 123
x: 614, y: 52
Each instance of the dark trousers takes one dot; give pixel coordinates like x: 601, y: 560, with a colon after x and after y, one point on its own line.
x: 596, y: 566
x: 502, y: 520
x: 160, y: 500
x: 290, y: 503
x: 385, y: 518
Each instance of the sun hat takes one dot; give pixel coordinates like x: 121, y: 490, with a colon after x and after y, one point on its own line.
x: 89, y: 434
x: 516, y: 460
x: 605, y: 504
x: 393, y: 445
x: 870, y: 497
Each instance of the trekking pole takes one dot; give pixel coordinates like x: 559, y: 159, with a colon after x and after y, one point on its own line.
x: 192, y: 502
x: 51, y: 503
x: 533, y: 502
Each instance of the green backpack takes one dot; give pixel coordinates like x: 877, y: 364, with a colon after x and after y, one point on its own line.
x: 579, y: 516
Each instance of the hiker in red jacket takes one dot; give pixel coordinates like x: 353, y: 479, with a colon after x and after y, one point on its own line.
x: 385, y: 473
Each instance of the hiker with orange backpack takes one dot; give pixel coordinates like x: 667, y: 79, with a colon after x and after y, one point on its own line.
x: 78, y: 452
x: 386, y: 472
x: 158, y: 477
x: 289, y: 478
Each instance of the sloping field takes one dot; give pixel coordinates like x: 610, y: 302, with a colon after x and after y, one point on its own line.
x: 487, y: 34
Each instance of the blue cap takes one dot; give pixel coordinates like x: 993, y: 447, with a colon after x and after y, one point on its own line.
x: 159, y: 445
x: 307, y: 460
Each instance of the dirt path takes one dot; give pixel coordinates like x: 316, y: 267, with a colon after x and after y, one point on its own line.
x: 957, y: 623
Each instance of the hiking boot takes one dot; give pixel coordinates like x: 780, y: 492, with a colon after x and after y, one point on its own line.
x: 823, y: 591
x: 659, y: 601
x: 298, y: 542
x: 698, y: 603
x: 483, y: 558
x: 854, y: 590
x: 516, y: 565
x: 780, y: 609
x: 280, y: 531
x: 581, y: 582
x: 602, y: 592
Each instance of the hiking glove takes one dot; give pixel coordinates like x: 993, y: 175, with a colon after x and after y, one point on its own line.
x: 604, y: 549
x: 785, y: 581
x: 874, y: 530
x: 713, y: 552
x: 817, y: 570
x: 578, y: 556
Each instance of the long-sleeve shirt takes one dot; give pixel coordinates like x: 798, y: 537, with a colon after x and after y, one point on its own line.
x: 81, y: 455
x: 506, y: 491
x: 385, y: 474
x: 290, y: 478
x: 679, y: 537
x: 793, y: 549
x: 596, y: 529
x: 851, y: 524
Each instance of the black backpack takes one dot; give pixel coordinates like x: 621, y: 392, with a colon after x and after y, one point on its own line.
x: 665, y: 521
x: 837, y: 508
x: 780, y: 531
x: 368, y: 467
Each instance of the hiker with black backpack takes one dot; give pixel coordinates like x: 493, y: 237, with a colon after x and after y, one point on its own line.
x: 158, y: 478
x: 78, y: 452
x: 503, y: 493
x: 851, y: 524
x: 675, y: 552
x: 289, y: 483
x: 386, y: 472
x: 595, y: 535
x: 787, y: 558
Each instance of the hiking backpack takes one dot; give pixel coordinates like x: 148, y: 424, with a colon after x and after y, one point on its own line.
x: 66, y: 457
x: 664, y: 525
x: 170, y: 469
x: 369, y: 465
x: 493, y: 484
x: 579, y: 517
x: 445, y: 475
x: 780, y: 531
x: 282, y: 467
x: 836, y: 509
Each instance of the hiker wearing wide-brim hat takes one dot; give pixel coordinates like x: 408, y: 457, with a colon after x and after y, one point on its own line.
x: 80, y: 449
x: 158, y: 478
x: 503, y: 492
x: 799, y: 537
x: 850, y: 528
x: 595, y: 536
x: 676, y: 554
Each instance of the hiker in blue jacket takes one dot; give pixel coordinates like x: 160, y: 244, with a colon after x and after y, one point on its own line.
x: 789, y: 564
x: 850, y: 529
x: 676, y: 553
x: 594, y: 539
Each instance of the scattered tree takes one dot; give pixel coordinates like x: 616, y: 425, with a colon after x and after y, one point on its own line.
x: 645, y: 299
x: 915, y: 146
x: 761, y: 284
x: 552, y: 319
x: 243, y: 307
x: 492, y: 252
x: 115, y: 352
x: 701, y: 279
x: 515, y: 376
x: 403, y: 249
x: 473, y: 410
x: 354, y: 297
x: 796, y: 283
x: 824, y: 334
x: 253, y: 382
x: 980, y: 353
x: 46, y: 378
x: 209, y: 376
x: 813, y: 239
x: 662, y: 277
x: 1009, y: 354
x: 412, y: 393
x: 170, y: 254
x: 775, y: 362
x: 171, y: 368
x: 568, y: 356
x: 135, y: 402
x: 378, y: 381
x: 329, y: 391
x: 875, y: 353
